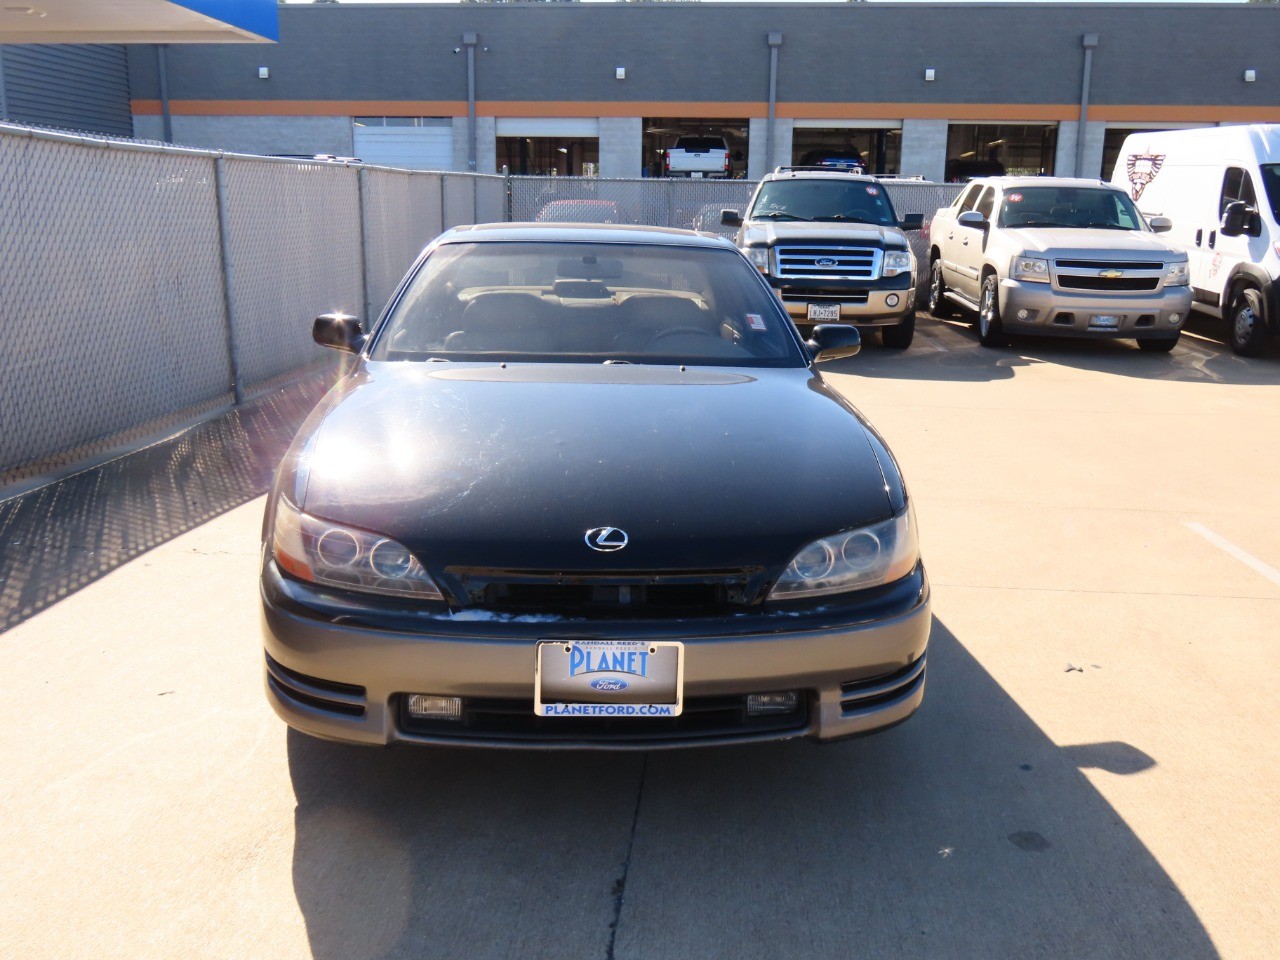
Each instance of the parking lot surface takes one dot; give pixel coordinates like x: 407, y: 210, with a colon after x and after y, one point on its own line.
x: 1093, y: 773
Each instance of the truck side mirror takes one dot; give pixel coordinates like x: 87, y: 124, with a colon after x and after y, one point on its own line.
x: 1160, y: 224
x: 339, y: 331
x: 911, y: 221
x: 972, y: 218
x: 730, y: 218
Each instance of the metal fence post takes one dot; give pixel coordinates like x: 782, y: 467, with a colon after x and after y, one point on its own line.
x: 444, y: 206
x: 224, y: 255
x: 671, y: 205
x: 363, y: 214
x: 507, y: 202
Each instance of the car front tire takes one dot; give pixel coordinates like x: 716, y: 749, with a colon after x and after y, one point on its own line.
x: 939, y: 305
x: 899, y: 336
x: 990, y: 327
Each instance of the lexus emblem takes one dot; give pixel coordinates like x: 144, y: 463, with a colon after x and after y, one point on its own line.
x: 606, y: 539
x: 825, y: 262
x: 1111, y: 274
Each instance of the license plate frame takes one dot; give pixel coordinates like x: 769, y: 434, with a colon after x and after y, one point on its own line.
x: 636, y: 678
x: 823, y: 312
x: 1105, y: 321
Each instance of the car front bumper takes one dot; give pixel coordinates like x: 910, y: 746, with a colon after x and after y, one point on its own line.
x: 340, y: 678
x: 1063, y: 313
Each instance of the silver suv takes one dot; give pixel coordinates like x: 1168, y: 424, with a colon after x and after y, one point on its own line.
x: 1065, y: 257
x: 832, y: 248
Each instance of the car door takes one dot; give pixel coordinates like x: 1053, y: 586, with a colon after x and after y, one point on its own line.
x: 949, y: 243
x: 971, y: 246
x: 1218, y: 254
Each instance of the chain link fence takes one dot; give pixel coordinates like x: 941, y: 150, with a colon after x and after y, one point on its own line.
x: 143, y: 287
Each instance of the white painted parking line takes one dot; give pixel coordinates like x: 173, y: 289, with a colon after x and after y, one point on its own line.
x: 1226, y: 546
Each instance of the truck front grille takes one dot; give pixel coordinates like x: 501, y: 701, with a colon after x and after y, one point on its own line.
x: 1126, y: 276
x: 828, y: 262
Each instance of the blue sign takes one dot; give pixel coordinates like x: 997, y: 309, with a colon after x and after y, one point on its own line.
x: 259, y: 17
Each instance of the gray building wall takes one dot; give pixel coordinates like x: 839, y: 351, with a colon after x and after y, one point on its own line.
x: 265, y: 135
x: 924, y: 149
x: 71, y: 86
x: 620, y: 145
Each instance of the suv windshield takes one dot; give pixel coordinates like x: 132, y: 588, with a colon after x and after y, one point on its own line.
x: 1069, y: 207
x: 588, y: 303
x: 1271, y: 186
x: 827, y: 199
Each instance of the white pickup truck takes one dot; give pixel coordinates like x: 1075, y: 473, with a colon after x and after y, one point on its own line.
x: 697, y: 157
x: 1045, y: 255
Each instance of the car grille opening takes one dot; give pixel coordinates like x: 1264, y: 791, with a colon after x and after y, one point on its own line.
x: 1119, y: 284
x: 327, y: 695
x: 829, y: 262
x: 1110, y: 265
x: 703, y: 718
x: 623, y: 595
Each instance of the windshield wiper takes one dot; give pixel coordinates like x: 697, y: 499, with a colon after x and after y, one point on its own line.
x: 778, y: 215
x: 841, y: 216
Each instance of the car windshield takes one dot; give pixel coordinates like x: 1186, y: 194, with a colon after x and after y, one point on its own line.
x: 1271, y: 186
x: 588, y: 303
x: 1069, y: 207
x: 856, y: 201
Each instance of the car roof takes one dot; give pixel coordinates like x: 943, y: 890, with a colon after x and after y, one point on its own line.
x: 1023, y: 183
x: 582, y: 232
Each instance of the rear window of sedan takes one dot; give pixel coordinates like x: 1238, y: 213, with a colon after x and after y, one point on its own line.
x: 588, y: 302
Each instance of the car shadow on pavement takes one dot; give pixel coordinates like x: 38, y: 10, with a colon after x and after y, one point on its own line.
x: 948, y: 350
x: 59, y: 538
x: 964, y: 833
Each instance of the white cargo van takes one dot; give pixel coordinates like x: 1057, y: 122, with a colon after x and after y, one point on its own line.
x: 1220, y: 186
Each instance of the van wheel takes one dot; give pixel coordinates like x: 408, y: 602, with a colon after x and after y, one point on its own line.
x: 1248, y: 331
x: 990, y: 327
x: 1158, y: 344
x: 939, y: 305
x: 899, y: 336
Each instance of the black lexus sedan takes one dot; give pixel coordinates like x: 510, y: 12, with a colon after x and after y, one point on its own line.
x: 583, y: 486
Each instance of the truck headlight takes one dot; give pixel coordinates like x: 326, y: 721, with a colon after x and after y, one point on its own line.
x: 896, y: 262
x: 321, y: 551
x: 853, y: 560
x: 1035, y: 269
x: 759, y: 257
x: 1177, y: 275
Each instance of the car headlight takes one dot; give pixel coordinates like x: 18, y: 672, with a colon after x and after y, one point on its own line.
x: 1035, y: 269
x: 321, y: 551
x: 1177, y: 275
x: 759, y: 257
x: 853, y: 560
x: 896, y: 262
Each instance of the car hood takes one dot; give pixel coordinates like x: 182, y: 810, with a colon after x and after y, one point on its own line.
x: 485, y: 466
x: 1092, y: 244
x: 765, y: 232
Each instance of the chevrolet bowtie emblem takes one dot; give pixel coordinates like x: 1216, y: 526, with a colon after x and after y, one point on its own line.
x: 1111, y: 274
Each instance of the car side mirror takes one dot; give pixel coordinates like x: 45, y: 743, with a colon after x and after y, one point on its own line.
x: 832, y: 341
x: 911, y: 221
x: 972, y: 218
x: 1160, y: 224
x: 1240, y: 218
x: 339, y: 331
x: 730, y: 218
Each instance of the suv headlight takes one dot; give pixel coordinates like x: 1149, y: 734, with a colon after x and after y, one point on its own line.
x: 896, y: 262
x: 1177, y: 275
x: 759, y: 257
x: 321, y: 551
x: 1035, y: 269
x: 853, y: 560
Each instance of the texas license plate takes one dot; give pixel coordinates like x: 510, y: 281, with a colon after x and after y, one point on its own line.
x: 1104, y: 321
x: 609, y: 678
x: 824, y: 311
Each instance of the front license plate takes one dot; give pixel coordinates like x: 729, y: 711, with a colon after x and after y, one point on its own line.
x: 609, y: 678
x: 824, y: 311
x: 1104, y: 321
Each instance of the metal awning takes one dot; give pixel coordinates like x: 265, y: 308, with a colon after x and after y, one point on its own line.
x: 139, y: 21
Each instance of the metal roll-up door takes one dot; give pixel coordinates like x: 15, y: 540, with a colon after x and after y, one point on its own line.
x: 426, y: 147
x: 70, y: 86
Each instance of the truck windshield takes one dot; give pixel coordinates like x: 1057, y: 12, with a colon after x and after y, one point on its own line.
x: 827, y: 200
x: 1069, y: 207
x: 1271, y: 184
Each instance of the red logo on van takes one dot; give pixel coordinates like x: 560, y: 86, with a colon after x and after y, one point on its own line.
x: 1143, y: 168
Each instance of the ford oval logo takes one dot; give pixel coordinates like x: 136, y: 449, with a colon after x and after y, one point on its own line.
x: 608, y: 685
x: 606, y: 539
x: 826, y: 262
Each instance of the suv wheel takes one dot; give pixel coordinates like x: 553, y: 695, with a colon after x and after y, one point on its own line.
x: 939, y: 305
x: 899, y: 336
x: 1248, y: 332
x: 990, y: 328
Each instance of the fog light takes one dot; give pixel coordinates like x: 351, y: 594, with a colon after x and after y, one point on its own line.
x: 891, y: 300
x: 1023, y: 314
x: 761, y: 703
x: 1175, y: 317
x: 426, y: 707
